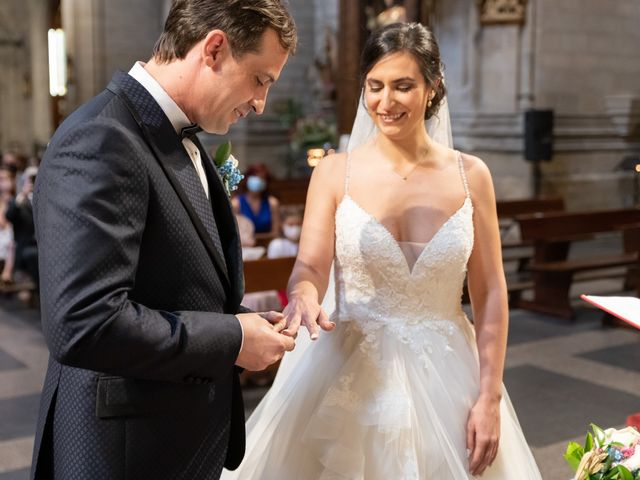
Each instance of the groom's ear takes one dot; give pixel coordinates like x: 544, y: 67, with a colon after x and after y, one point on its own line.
x: 214, y: 47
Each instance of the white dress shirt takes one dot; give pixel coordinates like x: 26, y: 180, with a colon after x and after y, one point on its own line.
x: 175, y: 115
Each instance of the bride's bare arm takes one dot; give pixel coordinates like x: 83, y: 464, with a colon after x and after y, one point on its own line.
x: 310, y: 275
x: 488, y: 293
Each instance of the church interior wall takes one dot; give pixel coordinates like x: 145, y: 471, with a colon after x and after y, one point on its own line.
x: 579, y: 57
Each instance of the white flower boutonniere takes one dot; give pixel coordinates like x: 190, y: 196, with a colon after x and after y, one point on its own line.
x: 227, y: 167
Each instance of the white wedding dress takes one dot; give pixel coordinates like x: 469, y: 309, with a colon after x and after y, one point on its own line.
x: 386, y: 395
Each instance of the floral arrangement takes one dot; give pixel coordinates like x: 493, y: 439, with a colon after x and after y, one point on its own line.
x: 310, y: 132
x: 227, y: 167
x: 607, y: 455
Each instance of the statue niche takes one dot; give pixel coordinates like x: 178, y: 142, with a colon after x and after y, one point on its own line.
x: 502, y: 11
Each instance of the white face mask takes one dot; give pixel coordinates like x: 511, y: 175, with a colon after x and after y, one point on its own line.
x: 292, y: 232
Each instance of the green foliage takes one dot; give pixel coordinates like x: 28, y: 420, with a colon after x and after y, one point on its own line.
x: 313, y: 132
x: 573, y: 454
x: 222, y: 153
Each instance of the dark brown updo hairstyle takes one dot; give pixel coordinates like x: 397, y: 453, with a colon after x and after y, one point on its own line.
x: 415, y: 39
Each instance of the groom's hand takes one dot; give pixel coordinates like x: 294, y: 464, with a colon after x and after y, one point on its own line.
x: 263, y: 345
x: 276, y: 319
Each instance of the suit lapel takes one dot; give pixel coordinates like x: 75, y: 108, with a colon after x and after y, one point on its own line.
x: 173, y: 159
x: 224, y: 213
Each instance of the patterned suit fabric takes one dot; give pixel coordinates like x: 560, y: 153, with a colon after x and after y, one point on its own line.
x: 140, y: 281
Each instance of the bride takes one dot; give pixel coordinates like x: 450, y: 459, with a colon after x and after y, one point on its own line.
x: 404, y: 386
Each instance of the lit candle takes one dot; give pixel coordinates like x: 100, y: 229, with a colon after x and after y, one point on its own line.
x: 314, y: 155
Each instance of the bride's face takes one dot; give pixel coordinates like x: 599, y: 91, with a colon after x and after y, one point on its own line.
x: 396, y: 95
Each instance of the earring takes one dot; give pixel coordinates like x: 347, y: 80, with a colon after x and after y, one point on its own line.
x: 429, y: 103
x: 431, y: 97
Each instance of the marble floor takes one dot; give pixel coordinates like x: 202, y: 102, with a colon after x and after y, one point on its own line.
x: 560, y: 376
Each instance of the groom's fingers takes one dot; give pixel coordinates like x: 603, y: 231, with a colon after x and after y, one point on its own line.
x: 324, y: 322
x: 276, y: 319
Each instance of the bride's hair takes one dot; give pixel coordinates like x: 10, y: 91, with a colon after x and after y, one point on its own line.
x: 416, y: 39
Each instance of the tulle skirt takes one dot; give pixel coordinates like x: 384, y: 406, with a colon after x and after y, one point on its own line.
x: 340, y: 410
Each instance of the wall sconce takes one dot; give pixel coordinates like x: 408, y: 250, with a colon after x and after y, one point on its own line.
x: 57, y: 63
x: 314, y: 155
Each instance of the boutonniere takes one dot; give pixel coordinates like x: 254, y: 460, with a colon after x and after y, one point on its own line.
x: 227, y: 167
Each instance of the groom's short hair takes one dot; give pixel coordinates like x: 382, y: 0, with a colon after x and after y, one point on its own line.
x: 243, y: 21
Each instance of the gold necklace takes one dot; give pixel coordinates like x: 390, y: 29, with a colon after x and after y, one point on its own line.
x: 406, y: 175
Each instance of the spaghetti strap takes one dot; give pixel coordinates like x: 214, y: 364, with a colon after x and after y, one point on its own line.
x: 347, y: 174
x: 465, y: 183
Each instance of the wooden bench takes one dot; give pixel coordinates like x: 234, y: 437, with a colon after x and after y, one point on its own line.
x: 290, y: 191
x: 508, y: 210
x: 553, y: 272
x: 259, y: 276
x: 517, y: 250
x: 267, y: 274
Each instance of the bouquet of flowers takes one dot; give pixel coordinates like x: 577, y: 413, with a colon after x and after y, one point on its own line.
x: 607, y: 455
x: 227, y: 167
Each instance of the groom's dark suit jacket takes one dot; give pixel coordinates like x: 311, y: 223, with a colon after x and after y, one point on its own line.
x: 140, y: 278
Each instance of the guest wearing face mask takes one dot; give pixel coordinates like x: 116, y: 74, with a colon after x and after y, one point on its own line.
x: 255, y: 203
x: 287, y: 246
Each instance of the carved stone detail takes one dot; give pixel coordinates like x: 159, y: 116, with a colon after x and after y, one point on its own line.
x: 502, y: 11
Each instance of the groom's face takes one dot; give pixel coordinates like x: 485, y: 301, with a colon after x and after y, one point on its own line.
x: 237, y: 86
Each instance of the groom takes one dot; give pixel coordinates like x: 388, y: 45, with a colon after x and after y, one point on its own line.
x: 141, y: 274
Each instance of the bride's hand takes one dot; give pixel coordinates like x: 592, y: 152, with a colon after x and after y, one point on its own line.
x: 483, y: 434
x: 307, y: 312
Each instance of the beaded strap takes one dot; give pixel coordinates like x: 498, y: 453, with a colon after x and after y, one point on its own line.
x: 465, y: 183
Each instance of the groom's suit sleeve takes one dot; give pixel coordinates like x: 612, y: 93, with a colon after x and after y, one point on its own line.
x: 91, y: 200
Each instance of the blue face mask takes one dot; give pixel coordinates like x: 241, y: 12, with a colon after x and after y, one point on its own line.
x: 256, y: 184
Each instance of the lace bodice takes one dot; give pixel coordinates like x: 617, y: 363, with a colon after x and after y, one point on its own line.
x: 375, y: 286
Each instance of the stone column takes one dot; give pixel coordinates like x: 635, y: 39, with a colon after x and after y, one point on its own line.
x: 42, y: 125
x: 15, y: 114
x: 82, y: 21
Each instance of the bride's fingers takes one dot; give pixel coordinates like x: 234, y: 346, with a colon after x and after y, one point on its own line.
x: 293, y: 320
x: 478, y: 453
x: 324, y: 322
x: 491, y: 455
x: 312, y: 326
x: 471, y: 435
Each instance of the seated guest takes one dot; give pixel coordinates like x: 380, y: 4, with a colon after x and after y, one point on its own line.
x: 287, y: 245
x: 248, y: 240
x: 254, y: 202
x: 20, y: 214
x: 7, y: 192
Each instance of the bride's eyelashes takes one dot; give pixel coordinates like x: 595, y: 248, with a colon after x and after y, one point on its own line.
x: 400, y: 88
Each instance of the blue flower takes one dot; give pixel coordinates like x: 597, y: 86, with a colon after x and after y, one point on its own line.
x: 227, y: 167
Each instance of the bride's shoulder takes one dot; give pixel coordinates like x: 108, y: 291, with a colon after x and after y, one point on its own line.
x: 474, y: 166
x: 332, y: 164
x: 331, y: 170
x: 477, y: 173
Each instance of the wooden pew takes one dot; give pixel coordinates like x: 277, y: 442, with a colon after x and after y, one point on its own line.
x: 267, y: 274
x: 553, y: 271
x: 517, y: 250
x: 507, y: 211
x: 290, y: 191
x: 259, y: 276
x: 512, y: 208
